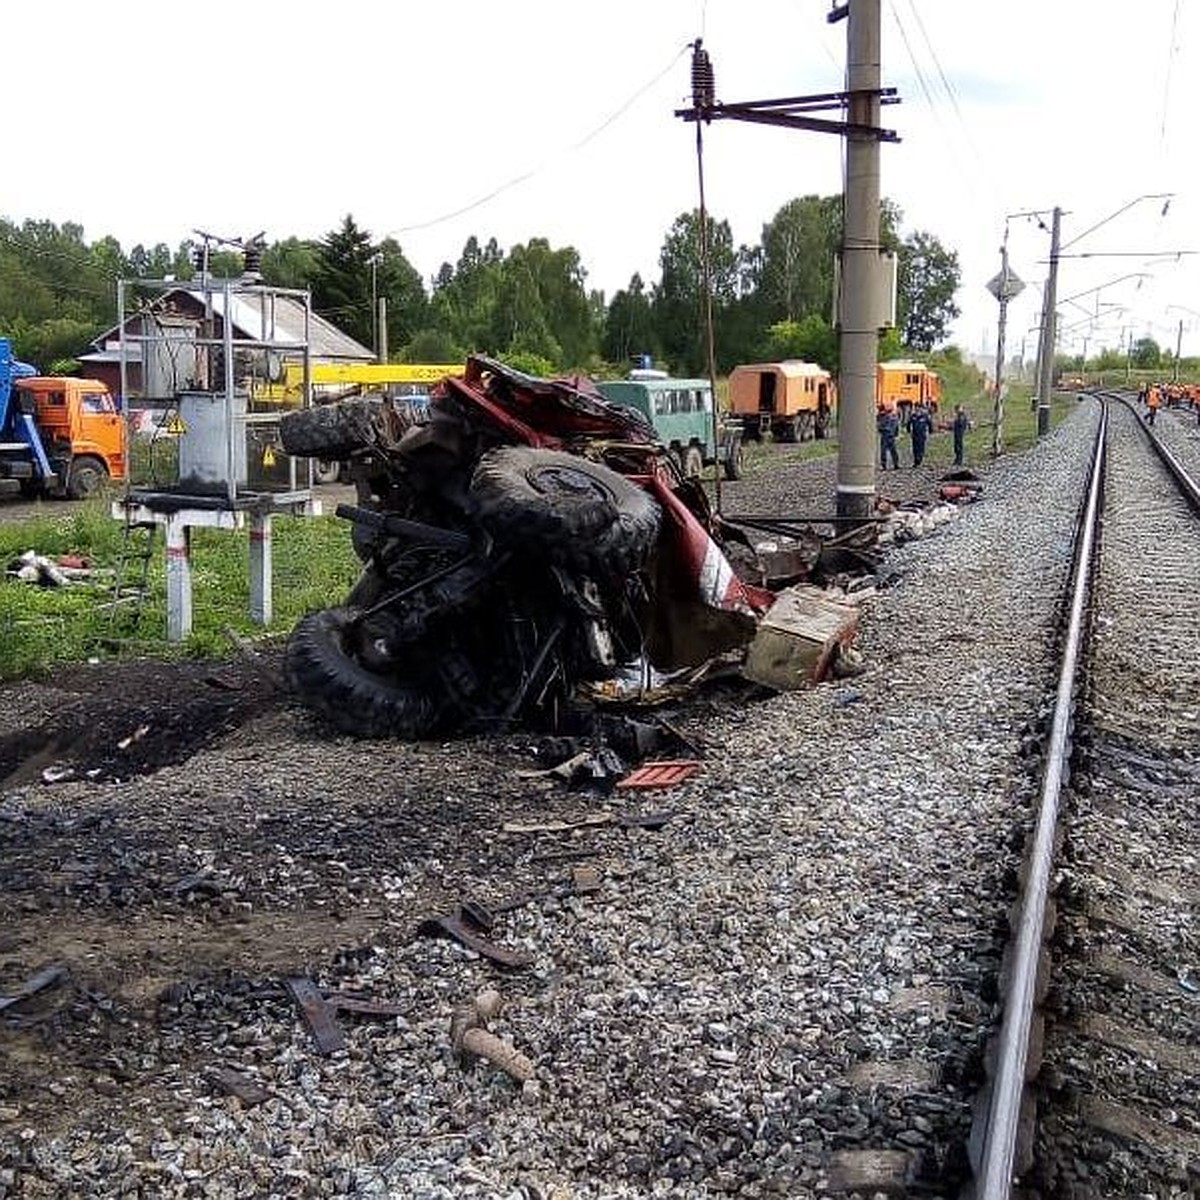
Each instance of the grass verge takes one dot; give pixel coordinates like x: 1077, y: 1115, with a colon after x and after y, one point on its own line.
x: 314, y: 566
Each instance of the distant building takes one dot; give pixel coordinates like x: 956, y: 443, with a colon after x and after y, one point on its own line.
x: 167, y: 365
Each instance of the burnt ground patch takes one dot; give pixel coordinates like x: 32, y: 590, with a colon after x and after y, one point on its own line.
x: 130, y: 719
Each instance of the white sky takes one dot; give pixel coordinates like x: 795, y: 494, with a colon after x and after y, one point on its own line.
x: 286, y: 116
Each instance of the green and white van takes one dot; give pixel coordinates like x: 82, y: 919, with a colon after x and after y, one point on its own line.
x: 681, y: 410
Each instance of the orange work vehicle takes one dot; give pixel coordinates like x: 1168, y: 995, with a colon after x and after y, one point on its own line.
x: 899, y: 384
x: 794, y: 400
x: 59, y: 436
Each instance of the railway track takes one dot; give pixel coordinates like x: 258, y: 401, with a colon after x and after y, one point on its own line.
x: 1102, y: 995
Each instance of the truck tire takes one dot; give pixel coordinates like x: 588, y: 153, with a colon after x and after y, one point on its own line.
x: 734, y: 463
x: 693, y: 463
x: 85, y: 477
x: 324, y: 673
x: 577, y: 513
x: 330, y: 431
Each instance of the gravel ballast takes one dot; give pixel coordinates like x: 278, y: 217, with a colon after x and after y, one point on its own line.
x: 797, y: 967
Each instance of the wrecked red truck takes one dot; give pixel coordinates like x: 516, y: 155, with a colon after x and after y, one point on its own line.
x: 529, y: 537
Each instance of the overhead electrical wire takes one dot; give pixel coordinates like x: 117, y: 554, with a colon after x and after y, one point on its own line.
x: 968, y: 176
x: 527, y: 175
x: 1166, y: 98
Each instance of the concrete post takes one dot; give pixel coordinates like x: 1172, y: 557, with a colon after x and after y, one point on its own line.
x: 261, y: 598
x: 179, y: 578
x: 858, y: 344
x: 1049, y: 331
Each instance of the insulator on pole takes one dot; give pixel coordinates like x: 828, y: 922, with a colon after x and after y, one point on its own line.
x: 704, y: 87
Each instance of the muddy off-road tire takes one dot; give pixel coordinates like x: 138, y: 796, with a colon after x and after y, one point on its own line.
x: 735, y: 460
x: 85, y: 477
x: 577, y: 513
x: 330, y: 431
x: 331, y: 681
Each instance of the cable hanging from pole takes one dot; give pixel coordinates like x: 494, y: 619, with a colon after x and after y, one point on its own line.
x: 703, y: 100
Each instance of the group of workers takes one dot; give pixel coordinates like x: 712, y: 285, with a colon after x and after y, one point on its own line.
x: 918, y: 420
x: 1155, y: 395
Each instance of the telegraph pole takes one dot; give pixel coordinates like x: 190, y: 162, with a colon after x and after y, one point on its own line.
x: 860, y: 299
x: 1046, y: 358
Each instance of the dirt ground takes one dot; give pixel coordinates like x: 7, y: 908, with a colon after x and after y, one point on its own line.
x: 181, y: 839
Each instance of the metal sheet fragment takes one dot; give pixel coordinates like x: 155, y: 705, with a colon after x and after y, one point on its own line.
x: 46, y: 977
x: 318, y: 1015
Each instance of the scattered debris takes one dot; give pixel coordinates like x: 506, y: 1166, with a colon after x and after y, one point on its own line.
x: 625, y: 820
x: 604, y: 818
x: 59, y: 773
x: 234, y: 1083
x: 586, y: 767
x: 463, y: 927
x: 799, y: 639
x: 957, y: 493
x: 32, y: 567
x: 320, y: 1010
x: 665, y: 774
x: 136, y: 736
x: 318, y: 1016
x: 585, y: 880
x: 46, y: 977
x: 471, y: 1039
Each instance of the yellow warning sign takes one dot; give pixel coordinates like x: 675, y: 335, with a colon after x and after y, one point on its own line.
x: 177, y: 426
x: 268, y: 459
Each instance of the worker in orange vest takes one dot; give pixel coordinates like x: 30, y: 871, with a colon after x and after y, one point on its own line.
x: 1153, y: 400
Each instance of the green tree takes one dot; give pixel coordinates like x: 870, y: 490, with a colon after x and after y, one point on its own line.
x: 799, y: 246
x: 1146, y: 353
x: 678, y: 299
x: 554, y: 307
x: 812, y: 339
x: 342, y: 288
x: 464, y: 295
x: 520, y: 322
x: 400, y: 282
x: 928, y: 279
x: 432, y: 346
x: 291, y: 263
x: 629, y: 325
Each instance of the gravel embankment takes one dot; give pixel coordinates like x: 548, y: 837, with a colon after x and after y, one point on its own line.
x: 797, y: 966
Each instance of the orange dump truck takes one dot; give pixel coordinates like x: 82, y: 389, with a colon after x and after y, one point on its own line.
x: 899, y: 384
x: 794, y: 400
x: 59, y: 436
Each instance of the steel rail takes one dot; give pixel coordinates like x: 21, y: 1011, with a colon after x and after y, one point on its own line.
x: 994, y: 1174
x: 1187, y: 485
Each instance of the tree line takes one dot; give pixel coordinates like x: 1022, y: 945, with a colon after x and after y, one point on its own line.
x: 529, y: 305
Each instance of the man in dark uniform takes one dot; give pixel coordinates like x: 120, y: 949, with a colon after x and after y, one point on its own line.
x: 920, y: 426
x: 961, y: 424
x: 888, y: 425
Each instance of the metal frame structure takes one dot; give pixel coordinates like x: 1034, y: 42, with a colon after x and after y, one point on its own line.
x: 182, y: 508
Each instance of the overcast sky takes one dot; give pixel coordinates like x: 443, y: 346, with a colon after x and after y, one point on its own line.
x: 554, y: 119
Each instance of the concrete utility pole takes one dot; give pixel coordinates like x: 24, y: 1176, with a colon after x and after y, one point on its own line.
x: 1178, y: 348
x: 1046, y: 356
x: 860, y: 301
